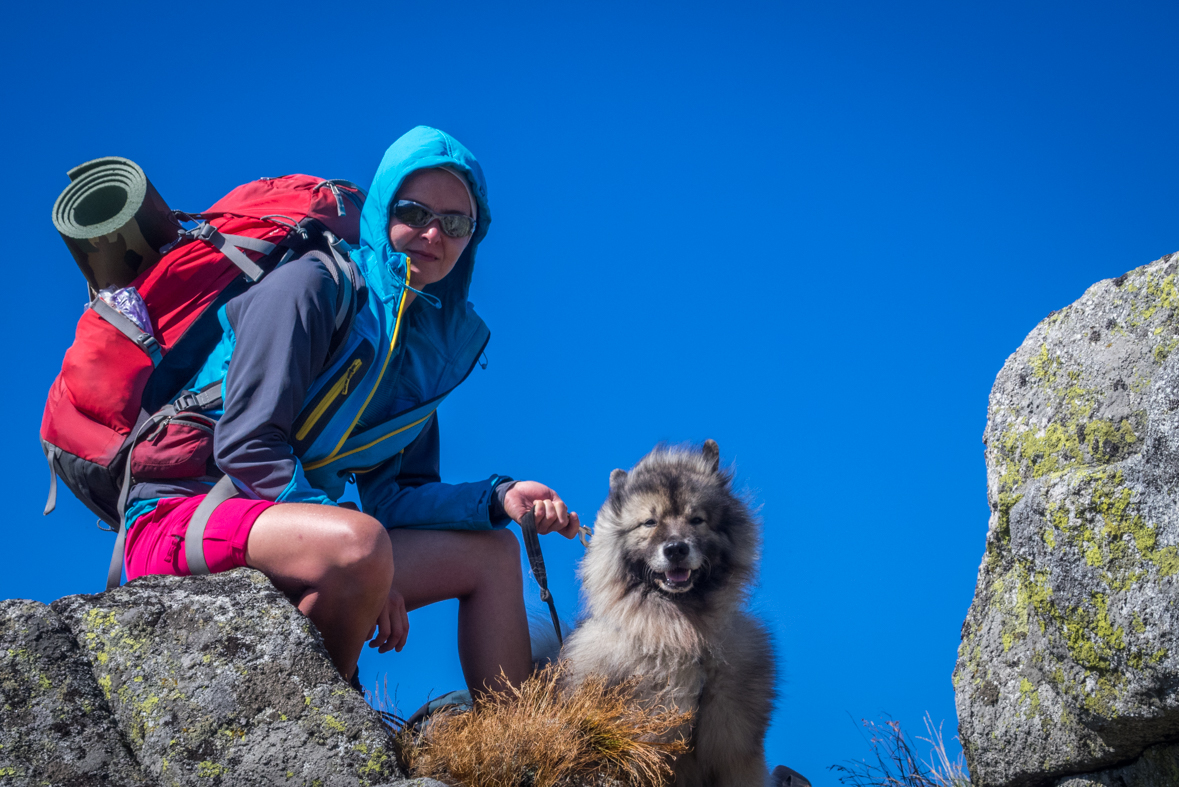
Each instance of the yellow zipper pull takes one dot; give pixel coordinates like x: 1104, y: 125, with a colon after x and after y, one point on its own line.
x: 338, y: 389
x: 348, y: 376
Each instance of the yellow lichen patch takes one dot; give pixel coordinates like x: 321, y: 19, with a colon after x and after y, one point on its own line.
x: 1028, y: 602
x: 1090, y: 635
x: 375, y: 762
x: 1044, y: 365
x: 1164, y: 349
x: 334, y: 724
x: 1101, y: 700
x: 1029, y: 694
x: 1162, y: 290
x: 210, y: 770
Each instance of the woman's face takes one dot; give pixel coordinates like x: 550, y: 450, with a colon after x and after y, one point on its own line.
x: 432, y: 253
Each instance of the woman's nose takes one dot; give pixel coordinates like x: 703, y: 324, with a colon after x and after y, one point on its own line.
x: 433, y: 232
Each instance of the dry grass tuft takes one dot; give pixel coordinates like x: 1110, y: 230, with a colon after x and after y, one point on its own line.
x: 898, y: 764
x: 542, y: 735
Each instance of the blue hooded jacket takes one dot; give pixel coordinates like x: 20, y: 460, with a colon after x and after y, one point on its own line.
x: 296, y: 427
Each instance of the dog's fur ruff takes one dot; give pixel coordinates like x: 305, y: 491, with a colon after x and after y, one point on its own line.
x: 666, y: 577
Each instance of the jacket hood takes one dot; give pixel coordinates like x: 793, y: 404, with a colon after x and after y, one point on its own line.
x: 383, y: 268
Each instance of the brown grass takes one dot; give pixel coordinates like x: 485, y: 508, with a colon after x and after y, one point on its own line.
x: 542, y: 735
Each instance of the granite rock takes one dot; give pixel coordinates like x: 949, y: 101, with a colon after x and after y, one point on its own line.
x: 1158, y: 766
x: 55, y: 726
x: 220, y: 680
x: 1069, y: 662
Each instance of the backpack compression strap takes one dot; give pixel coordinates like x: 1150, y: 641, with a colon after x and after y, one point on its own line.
x: 202, y: 400
x: 231, y: 246
x: 144, y: 340
x: 194, y: 536
x: 536, y: 561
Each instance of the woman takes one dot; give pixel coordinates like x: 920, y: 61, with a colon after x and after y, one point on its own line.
x: 301, y: 417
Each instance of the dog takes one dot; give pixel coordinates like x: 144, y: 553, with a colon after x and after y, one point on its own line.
x: 666, y: 577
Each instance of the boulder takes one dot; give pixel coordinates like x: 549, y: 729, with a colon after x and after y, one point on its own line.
x: 55, y: 726
x: 1069, y: 662
x: 1158, y: 766
x: 220, y: 680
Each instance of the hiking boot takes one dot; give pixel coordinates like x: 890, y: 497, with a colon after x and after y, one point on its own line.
x: 458, y: 700
x: 788, y: 777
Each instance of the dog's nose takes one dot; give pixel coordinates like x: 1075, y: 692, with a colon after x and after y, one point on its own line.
x: 676, y: 550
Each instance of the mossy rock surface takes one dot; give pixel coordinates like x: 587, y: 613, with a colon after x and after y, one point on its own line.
x: 55, y: 726
x: 219, y: 680
x: 1069, y: 662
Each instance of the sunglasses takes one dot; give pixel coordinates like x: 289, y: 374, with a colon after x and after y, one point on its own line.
x: 416, y: 215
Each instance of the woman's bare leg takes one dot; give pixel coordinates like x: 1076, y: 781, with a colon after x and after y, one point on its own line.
x: 482, y: 570
x: 334, y: 564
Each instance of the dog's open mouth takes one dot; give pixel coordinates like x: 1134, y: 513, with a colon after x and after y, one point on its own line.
x: 676, y: 580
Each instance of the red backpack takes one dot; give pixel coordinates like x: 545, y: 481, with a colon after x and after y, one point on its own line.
x: 117, y: 382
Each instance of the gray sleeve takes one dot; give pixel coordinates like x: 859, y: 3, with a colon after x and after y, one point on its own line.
x: 282, y: 328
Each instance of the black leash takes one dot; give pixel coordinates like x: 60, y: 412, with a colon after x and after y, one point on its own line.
x: 536, y: 561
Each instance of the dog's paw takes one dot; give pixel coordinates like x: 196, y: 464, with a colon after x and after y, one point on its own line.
x: 787, y: 777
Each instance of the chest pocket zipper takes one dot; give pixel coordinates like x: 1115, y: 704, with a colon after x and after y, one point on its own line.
x: 331, y: 399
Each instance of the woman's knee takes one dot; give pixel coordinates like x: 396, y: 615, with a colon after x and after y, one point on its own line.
x: 502, y: 550
x: 362, y: 548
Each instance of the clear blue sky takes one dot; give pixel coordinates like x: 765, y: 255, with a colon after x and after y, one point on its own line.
x: 811, y: 231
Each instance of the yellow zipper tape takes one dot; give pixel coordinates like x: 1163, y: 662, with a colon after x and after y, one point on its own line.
x: 392, y: 345
x: 340, y: 388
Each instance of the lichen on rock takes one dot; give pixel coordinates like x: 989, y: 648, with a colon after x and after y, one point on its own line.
x: 220, y: 680
x: 55, y: 727
x: 1069, y: 662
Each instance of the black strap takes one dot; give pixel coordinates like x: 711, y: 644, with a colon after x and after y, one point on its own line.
x: 194, y: 536
x: 146, y: 341
x: 536, y: 561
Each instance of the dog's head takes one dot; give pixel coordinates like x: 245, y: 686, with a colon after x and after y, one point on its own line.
x: 673, y: 526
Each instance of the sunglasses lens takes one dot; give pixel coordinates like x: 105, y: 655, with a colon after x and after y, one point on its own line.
x: 412, y: 214
x: 456, y: 226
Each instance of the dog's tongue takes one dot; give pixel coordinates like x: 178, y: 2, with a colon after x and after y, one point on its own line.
x: 678, y: 575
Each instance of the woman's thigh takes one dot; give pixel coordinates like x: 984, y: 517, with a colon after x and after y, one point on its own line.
x: 300, y: 545
x: 435, y: 565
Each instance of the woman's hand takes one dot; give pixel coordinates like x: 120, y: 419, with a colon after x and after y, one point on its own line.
x: 549, y: 509
x: 392, y: 626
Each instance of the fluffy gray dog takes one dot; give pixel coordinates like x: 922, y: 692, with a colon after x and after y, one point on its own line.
x: 666, y: 578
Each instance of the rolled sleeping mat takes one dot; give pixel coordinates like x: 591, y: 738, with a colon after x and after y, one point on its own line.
x: 113, y: 221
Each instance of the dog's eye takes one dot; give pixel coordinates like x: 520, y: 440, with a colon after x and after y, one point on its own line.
x: 696, y: 520
x: 649, y: 523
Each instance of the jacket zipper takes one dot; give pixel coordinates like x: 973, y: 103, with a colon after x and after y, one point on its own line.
x: 336, y: 455
x: 339, y: 389
x: 388, y: 357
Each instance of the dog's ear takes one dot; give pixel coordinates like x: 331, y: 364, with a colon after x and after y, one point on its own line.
x: 617, y: 479
x: 712, y: 454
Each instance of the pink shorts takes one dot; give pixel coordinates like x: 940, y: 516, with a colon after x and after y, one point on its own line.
x: 155, y: 543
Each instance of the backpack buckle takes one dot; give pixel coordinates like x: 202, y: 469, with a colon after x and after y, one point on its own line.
x: 185, y: 402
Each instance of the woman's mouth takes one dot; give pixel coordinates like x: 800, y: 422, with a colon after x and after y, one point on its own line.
x: 424, y: 256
